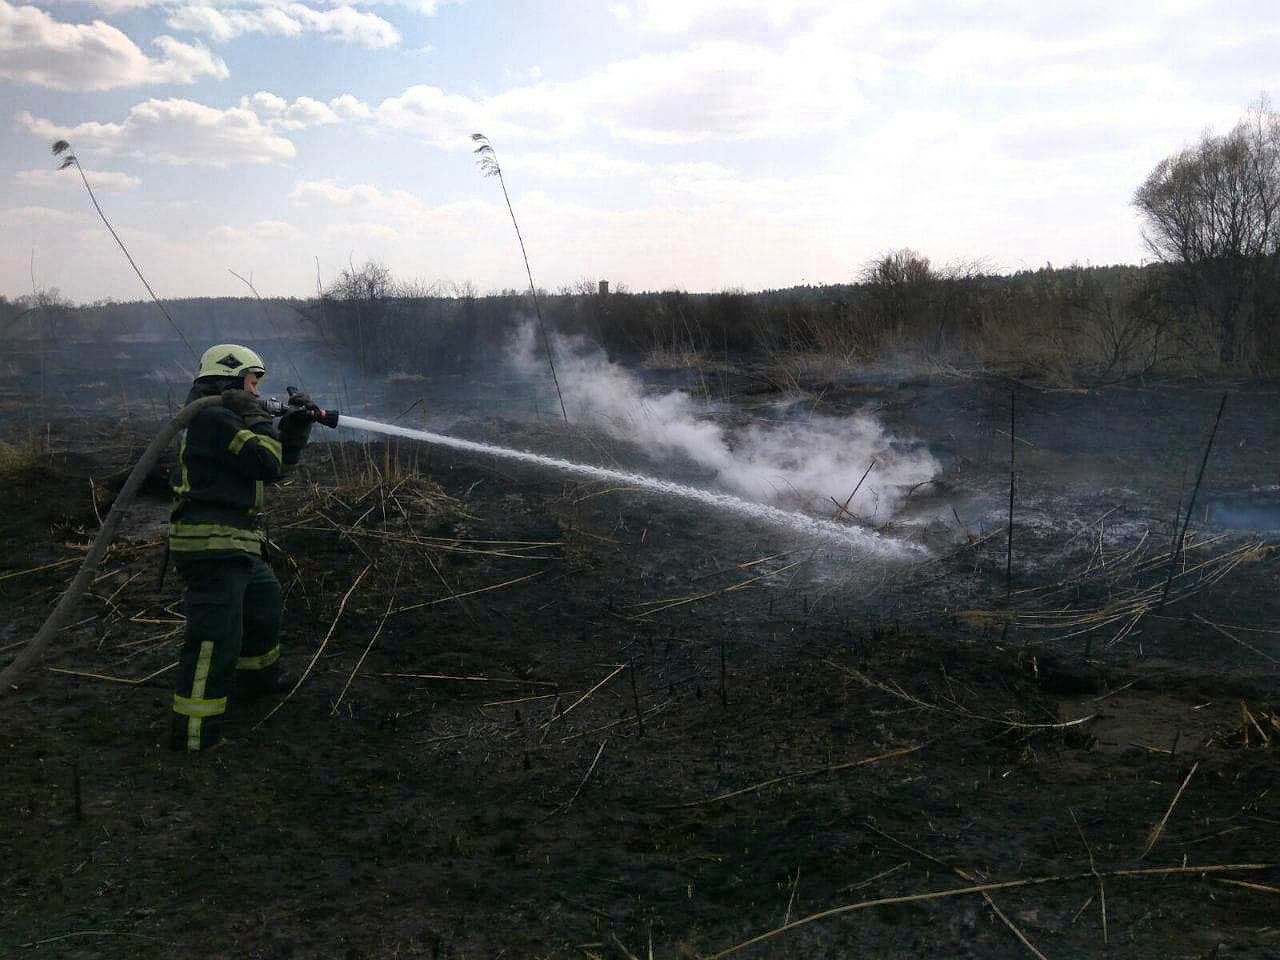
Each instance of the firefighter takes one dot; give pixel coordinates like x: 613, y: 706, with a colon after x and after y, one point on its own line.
x: 233, y: 599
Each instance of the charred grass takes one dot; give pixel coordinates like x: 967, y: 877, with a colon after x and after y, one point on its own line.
x: 512, y: 741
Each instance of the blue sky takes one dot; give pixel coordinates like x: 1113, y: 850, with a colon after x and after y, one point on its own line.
x: 698, y: 144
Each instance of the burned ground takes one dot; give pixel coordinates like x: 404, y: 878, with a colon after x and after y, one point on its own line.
x: 554, y: 719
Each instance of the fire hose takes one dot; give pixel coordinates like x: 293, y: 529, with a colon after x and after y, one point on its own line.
x: 72, y: 596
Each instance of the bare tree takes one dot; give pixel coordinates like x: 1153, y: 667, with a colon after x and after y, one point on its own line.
x: 365, y: 291
x: 1213, y: 212
x: 371, y: 282
x: 902, y: 285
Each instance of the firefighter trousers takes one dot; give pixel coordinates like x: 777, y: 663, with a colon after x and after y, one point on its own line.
x: 232, y: 646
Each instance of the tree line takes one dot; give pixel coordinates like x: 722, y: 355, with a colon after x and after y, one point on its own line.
x: 1209, y: 302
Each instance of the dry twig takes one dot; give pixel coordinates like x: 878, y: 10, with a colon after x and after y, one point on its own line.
x: 469, y: 593
x: 323, y: 643
x: 1102, y: 888
x: 970, y: 878
x: 560, y: 714
x: 804, y: 774
x: 1154, y: 836
x: 590, y: 770
x: 372, y: 640
x: 1156, y: 872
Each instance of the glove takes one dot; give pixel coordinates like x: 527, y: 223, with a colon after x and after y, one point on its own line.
x: 247, y: 405
x: 295, y: 431
x: 299, y: 399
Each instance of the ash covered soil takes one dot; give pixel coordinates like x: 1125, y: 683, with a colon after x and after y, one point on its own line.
x: 563, y: 719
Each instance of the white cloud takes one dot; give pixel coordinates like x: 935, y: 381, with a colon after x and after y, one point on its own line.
x: 576, y: 165
x: 39, y: 50
x: 582, y: 165
x: 711, y: 91
x: 427, y: 8
x: 304, y: 112
x: 265, y: 104
x: 25, y: 216
x: 264, y: 231
x: 101, y: 180
x: 679, y: 16
x: 447, y: 119
x: 363, y: 197
x: 349, y: 108
x: 175, y: 131
x: 729, y: 90
x: 289, y: 20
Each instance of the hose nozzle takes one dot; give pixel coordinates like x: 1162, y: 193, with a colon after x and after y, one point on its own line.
x: 278, y: 408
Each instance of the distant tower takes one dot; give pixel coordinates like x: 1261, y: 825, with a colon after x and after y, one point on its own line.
x: 604, y: 288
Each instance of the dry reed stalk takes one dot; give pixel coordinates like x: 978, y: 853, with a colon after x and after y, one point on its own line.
x: 469, y: 593
x: 843, y: 508
x: 1247, y: 720
x: 791, y: 901
x: 1113, y: 567
x: 667, y: 604
x: 125, y: 680
x: 372, y: 640
x: 47, y: 566
x: 540, y: 696
x: 1156, y: 872
x: 1138, y: 603
x: 649, y: 712
x: 70, y: 160
x: 1083, y: 907
x: 489, y: 166
x: 787, y: 778
x: 600, y: 493
x: 560, y: 714
x: 635, y: 696
x: 1112, y: 693
x: 953, y: 711
x: 527, y: 543
x: 627, y: 954
x: 1230, y: 636
x: 1260, y: 887
x: 1177, y: 546
x: 1102, y: 889
x: 385, y: 537
x: 970, y: 878
x: 774, y: 556
x: 1008, y: 570
x: 320, y: 650
x: 879, y: 876
x: 590, y: 770
x: 1154, y: 836
x: 466, y: 609
x: 120, y: 588
x: 444, y: 676
x: 91, y: 933
x: 956, y: 552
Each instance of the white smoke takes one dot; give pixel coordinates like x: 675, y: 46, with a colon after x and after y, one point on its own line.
x: 799, y: 463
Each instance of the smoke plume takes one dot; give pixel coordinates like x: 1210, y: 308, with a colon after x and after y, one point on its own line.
x: 800, y: 462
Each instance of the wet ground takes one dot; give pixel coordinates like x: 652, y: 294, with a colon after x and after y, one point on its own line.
x: 558, y: 719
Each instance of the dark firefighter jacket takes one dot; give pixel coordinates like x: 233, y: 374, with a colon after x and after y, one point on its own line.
x: 218, y: 482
